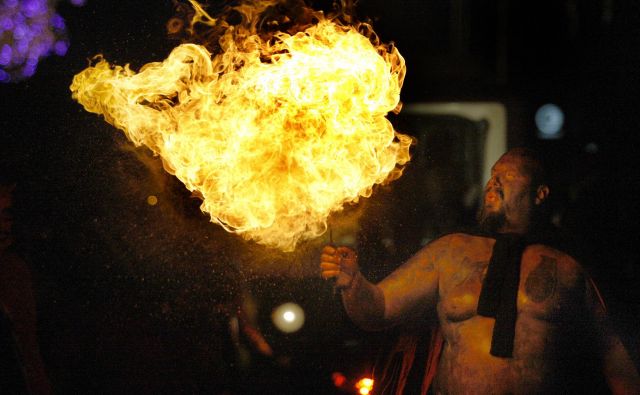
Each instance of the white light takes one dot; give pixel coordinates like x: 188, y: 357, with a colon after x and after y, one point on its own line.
x: 549, y: 120
x: 288, y: 317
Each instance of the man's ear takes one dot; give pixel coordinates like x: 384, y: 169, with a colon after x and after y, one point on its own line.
x: 541, y: 194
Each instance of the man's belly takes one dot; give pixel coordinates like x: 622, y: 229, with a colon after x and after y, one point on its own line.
x: 467, y: 367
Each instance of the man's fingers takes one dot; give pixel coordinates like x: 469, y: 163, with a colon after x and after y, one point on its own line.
x: 329, y: 270
x: 340, y: 263
x: 327, y: 274
x: 329, y: 266
x: 330, y: 258
x: 328, y: 250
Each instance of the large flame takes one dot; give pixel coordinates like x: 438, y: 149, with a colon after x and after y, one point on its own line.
x: 274, y: 133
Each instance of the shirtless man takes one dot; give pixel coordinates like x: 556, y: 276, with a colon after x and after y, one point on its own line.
x: 554, y: 301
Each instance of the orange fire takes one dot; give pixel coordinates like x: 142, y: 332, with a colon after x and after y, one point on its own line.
x: 273, y: 133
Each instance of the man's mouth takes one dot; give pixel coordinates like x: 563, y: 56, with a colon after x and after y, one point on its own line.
x: 492, y: 196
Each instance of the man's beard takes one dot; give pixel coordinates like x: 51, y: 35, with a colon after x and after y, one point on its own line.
x: 491, y: 222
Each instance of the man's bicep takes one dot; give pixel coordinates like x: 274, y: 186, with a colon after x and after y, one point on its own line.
x: 413, y: 284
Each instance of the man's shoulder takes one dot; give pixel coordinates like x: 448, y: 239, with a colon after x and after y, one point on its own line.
x: 536, y: 253
x: 464, y: 238
x: 552, y: 251
x: 460, y: 243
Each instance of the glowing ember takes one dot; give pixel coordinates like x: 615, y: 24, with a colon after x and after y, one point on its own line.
x: 274, y: 133
x: 364, y: 386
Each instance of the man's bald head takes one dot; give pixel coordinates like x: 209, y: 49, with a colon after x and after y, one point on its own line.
x: 514, y: 197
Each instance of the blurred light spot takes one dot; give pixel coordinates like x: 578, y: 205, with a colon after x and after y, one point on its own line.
x: 591, y: 148
x: 32, y: 30
x: 19, y: 32
x: 388, y: 243
x: 5, y: 55
x: 37, y: 28
x: 288, y: 317
x: 338, y: 379
x: 33, y: 8
x: 57, y: 21
x: 78, y: 3
x: 60, y: 48
x: 152, y: 200
x: 549, y: 119
x: 364, y: 386
x: 28, y: 70
x: 6, y: 23
x: 23, y: 47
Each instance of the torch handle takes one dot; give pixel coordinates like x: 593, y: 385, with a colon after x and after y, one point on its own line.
x: 330, y: 234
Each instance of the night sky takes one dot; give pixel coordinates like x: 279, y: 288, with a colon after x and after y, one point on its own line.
x: 135, y: 298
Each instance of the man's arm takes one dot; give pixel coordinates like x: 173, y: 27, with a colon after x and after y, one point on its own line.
x: 370, y: 306
x: 618, y: 367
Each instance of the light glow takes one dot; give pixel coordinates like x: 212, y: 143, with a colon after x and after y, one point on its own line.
x: 29, y: 31
x: 364, y: 386
x: 288, y: 317
x: 549, y: 119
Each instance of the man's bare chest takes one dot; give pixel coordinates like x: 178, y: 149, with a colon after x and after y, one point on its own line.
x: 544, y: 291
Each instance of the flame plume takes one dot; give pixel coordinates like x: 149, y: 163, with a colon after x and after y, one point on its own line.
x: 273, y: 132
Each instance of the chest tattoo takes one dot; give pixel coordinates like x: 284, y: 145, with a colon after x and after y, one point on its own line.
x: 542, y: 281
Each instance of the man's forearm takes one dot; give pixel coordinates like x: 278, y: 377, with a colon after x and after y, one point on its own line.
x: 364, y: 302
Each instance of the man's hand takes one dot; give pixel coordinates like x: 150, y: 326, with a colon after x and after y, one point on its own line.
x: 341, y: 263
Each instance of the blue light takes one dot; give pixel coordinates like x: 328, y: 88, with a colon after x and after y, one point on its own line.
x: 39, y: 50
x: 37, y: 28
x: 29, y: 70
x: 22, y: 46
x: 58, y: 22
x: 11, y: 3
x: 6, y: 23
x: 60, y: 48
x: 33, y: 30
x: 19, y: 32
x: 5, y: 54
x: 549, y: 120
x: 33, y: 8
x: 18, y: 19
x: 4, y: 76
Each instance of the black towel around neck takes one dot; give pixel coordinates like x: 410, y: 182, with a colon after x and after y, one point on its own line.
x: 499, y: 295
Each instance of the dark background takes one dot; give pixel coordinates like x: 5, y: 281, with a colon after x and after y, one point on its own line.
x: 134, y: 298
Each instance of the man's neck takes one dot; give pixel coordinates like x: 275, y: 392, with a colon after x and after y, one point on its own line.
x: 514, y: 229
